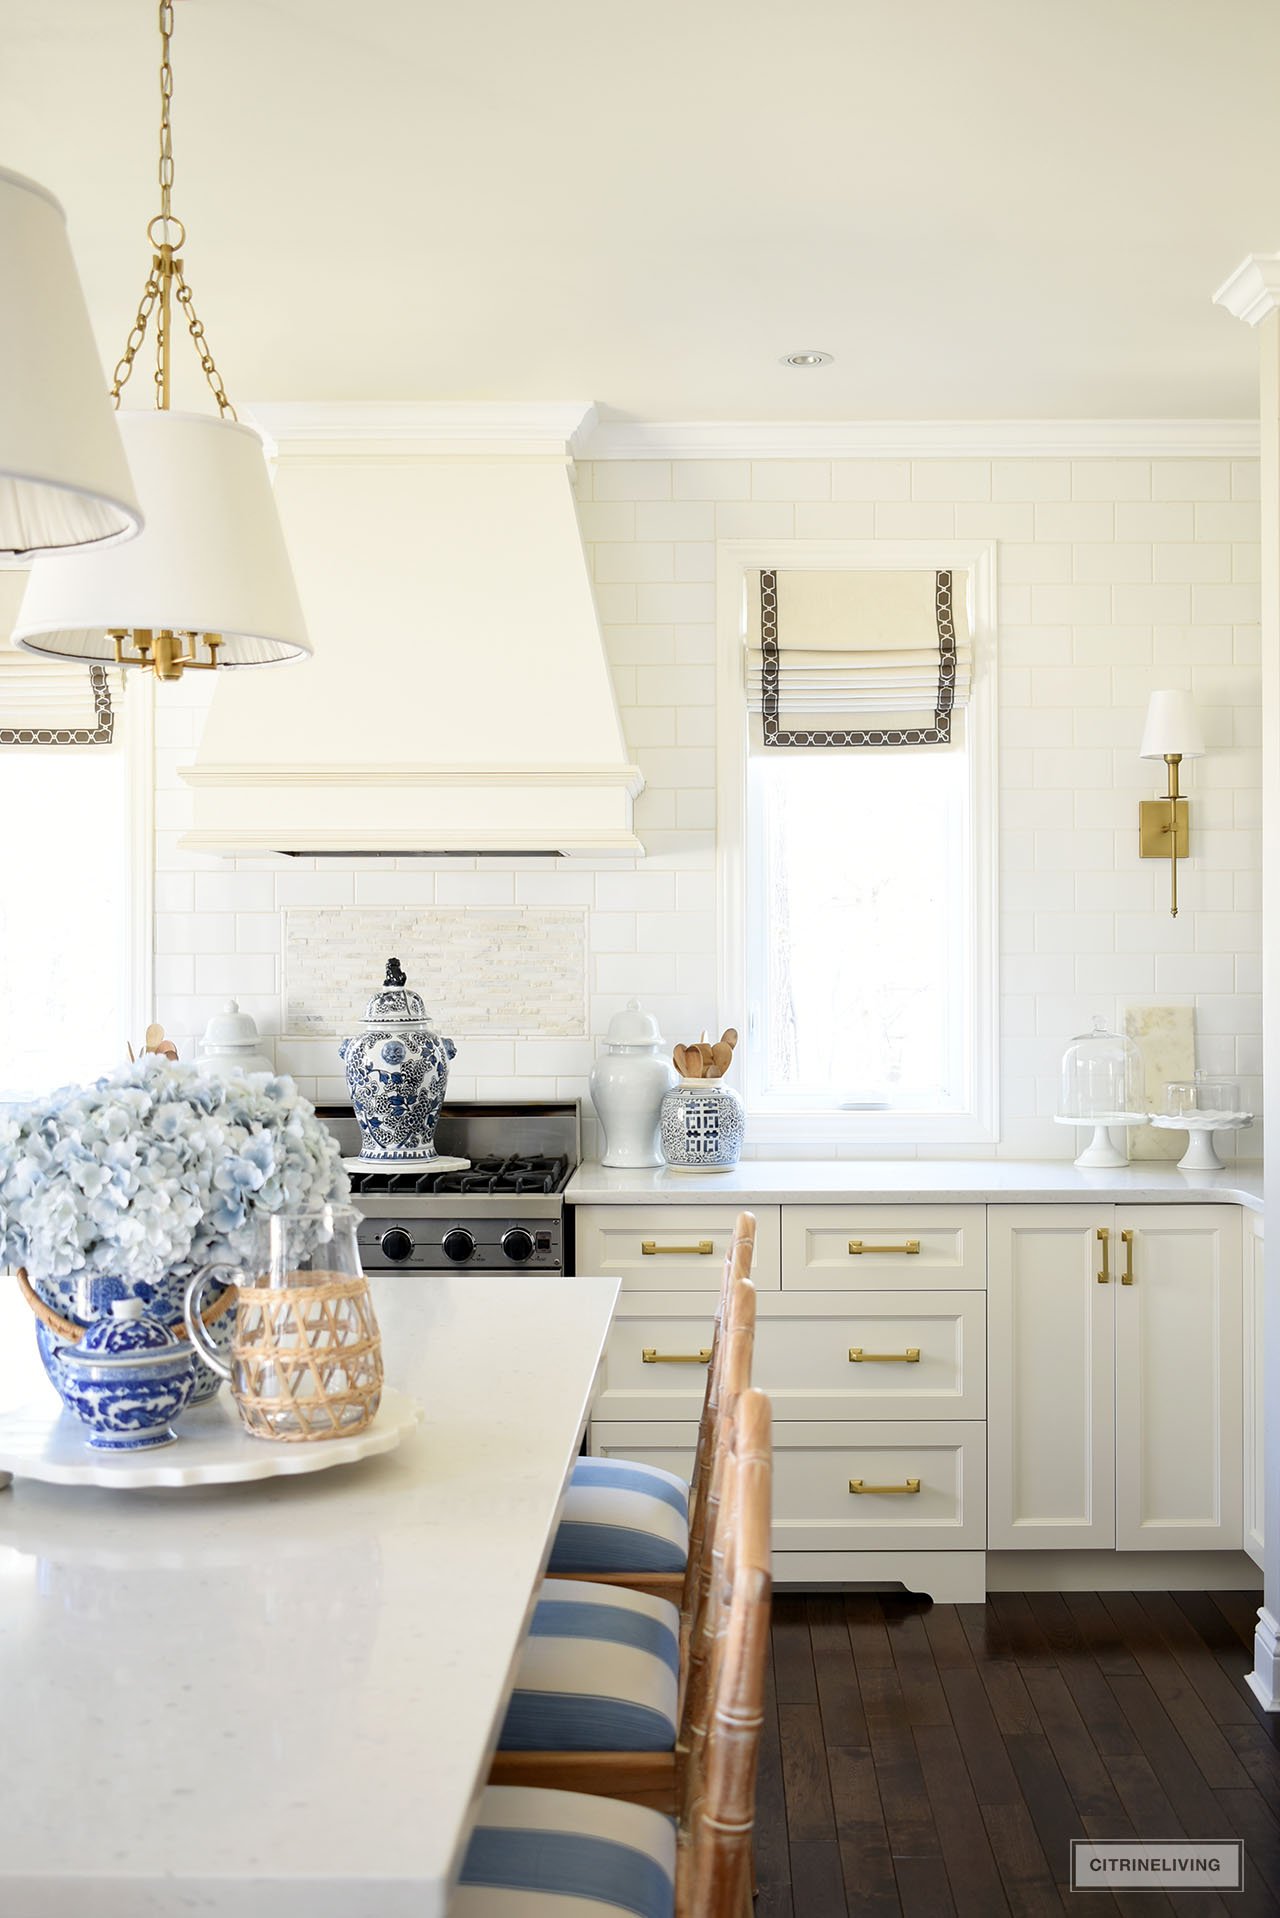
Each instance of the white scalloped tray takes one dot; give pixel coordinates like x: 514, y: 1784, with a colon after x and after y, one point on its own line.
x: 212, y: 1448
x: 442, y: 1164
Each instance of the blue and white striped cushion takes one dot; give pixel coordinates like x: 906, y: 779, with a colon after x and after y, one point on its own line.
x: 563, y: 1854
x: 600, y: 1671
x: 620, y: 1516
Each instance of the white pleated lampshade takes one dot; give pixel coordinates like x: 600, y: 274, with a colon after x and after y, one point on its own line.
x: 1173, y: 726
x: 64, y: 480
x: 211, y: 560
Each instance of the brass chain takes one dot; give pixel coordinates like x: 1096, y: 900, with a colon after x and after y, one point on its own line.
x: 166, y: 267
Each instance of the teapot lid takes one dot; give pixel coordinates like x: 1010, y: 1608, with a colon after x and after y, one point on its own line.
x: 127, y: 1331
x: 394, y: 1004
x: 230, y: 1027
x: 632, y: 1027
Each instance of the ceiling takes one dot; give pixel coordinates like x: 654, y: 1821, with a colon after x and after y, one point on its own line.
x: 1001, y: 210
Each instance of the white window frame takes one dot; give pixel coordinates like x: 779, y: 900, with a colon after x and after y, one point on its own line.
x: 735, y: 560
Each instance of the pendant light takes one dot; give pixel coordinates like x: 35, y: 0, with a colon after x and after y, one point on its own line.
x: 208, y: 583
x: 63, y: 478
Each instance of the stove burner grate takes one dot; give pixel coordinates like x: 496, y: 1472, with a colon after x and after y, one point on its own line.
x: 536, y: 1173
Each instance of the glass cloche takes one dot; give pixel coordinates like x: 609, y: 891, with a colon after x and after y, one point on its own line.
x: 1102, y: 1077
x: 1103, y: 1086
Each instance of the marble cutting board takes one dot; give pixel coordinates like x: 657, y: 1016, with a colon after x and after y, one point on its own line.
x: 1166, y: 1038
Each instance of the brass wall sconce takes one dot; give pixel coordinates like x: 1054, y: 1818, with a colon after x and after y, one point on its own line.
x: 1172, y: 733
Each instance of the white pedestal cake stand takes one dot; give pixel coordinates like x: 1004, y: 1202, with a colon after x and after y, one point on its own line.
x: 1201, y: 1154
x: 212, y: 1448
x: 1102, y: 1149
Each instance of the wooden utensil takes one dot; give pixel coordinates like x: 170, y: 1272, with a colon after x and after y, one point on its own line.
x: 680, y: 1060
x: 729, y: 1037
x: 722, y: 1058
x: 693, y: 1063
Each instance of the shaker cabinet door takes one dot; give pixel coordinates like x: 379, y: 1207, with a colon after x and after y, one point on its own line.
x: 1179, y: 1379
x: 1051, y: 1432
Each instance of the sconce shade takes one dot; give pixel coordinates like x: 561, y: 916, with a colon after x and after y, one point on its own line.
x: 64, y: 480
x: 211, y: 560
x: 1173, y: 726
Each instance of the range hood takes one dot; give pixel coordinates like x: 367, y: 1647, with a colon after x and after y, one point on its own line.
x: 459, y: 699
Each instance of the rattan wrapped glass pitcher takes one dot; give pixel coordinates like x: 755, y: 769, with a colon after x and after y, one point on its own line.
x: 306, y: 1355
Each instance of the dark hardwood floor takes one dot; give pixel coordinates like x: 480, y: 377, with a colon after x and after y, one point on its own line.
x: 936, y: 1761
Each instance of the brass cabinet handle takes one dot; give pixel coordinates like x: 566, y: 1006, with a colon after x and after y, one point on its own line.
x: 1127, y: 1240
x: 856, y: 1247
x: 1104, y: 1240
x: 859, y: 1356
x: 702, y: 1250
x: 651, y: 1356
x: 909, y: 1486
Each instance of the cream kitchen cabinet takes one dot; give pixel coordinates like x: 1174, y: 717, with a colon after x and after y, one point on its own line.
x: 660, y: 1248
x: 1115, y: 1381
x: 1254, y: 1399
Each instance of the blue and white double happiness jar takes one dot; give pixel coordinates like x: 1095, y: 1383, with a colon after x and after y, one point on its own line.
x: 701, y: 1126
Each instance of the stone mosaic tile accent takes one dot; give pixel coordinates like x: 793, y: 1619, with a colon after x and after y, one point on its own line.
x: 480, y: 970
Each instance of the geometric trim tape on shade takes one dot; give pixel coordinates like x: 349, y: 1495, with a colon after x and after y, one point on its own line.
x: 42, y: 704
x: 862, y: 658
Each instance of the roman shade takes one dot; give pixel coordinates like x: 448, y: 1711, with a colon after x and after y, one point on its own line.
x: 43, y: 703
x: 851, y: 659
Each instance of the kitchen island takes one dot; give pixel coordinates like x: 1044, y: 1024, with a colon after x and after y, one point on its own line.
x: 281, y: 1699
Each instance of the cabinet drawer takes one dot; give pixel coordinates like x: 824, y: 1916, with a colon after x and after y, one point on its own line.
x: 660, y: 1248
x: 874, y: 1247
x: 814, y: 1463
x: 921, y: 1357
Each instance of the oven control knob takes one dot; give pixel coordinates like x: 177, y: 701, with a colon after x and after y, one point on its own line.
x: 517, y: 1244
x: 457, y: 1244
x: 395, y: 1244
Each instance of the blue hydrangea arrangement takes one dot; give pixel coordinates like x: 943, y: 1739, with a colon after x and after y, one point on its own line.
x: 153, y: 1171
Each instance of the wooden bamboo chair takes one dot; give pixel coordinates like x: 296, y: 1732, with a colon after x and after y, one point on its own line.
x: 738, y: 1261
x: 704, y: 1869
x: 653, y: 1777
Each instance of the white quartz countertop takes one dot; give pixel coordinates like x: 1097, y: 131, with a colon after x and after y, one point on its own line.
x: 942, y: 1181
x: 279, y: 1700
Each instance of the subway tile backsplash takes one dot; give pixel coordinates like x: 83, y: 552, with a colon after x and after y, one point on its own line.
x: 1117, y: 576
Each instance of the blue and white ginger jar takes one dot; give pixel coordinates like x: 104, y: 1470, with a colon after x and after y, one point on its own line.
x: 126, y: 1378
x: 397, y: 1074
x: 701, y: 1126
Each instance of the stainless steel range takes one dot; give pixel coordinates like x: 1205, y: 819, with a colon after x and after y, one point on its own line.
x: 505, y: 1214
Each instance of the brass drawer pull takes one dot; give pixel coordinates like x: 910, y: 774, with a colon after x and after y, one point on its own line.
x: 859, y: 1356
x: 1104, y: 1240
x: 1127, y: 1241
x: 908, y: 1245
x: 651, y: 1356
x: 702, y: 1250
x: 911, y: 1485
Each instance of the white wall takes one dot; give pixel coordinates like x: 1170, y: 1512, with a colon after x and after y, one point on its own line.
x: 1116, y: 576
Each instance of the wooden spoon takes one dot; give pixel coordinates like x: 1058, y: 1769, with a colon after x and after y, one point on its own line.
x: 680, y: 1060
x: 154, y: 1034
x: 722, y: 1058
x: 693, y: 1062
x: 729, y: 1037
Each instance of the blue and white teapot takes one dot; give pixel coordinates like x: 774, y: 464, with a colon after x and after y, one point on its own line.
x: 397, y: 1073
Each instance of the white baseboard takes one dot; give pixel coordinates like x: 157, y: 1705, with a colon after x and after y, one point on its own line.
x: 1264, y: 1680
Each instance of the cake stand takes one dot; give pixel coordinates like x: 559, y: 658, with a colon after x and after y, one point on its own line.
x: 1102, y: 1149
x: 1201, y: 1155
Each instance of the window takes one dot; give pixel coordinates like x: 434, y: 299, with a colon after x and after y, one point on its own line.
x: 858, y: 955
x: 69, y: 989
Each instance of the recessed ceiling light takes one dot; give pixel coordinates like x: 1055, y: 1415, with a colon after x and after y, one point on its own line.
x: 810, y: 357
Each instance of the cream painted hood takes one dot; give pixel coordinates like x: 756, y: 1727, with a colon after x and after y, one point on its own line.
x: 459, y: 699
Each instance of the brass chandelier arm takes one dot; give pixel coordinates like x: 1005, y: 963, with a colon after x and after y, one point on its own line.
x: 166, y: 280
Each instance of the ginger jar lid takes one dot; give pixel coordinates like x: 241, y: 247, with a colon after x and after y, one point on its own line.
x: 395, y: 1004
x: 126, y: 1333
x: 632, y: 1027
x: 230, y: 1027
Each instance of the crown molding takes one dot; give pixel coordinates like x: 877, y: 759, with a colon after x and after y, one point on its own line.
x: 1253, y: 290
x: 921, y: 439
x: 554, y: 428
